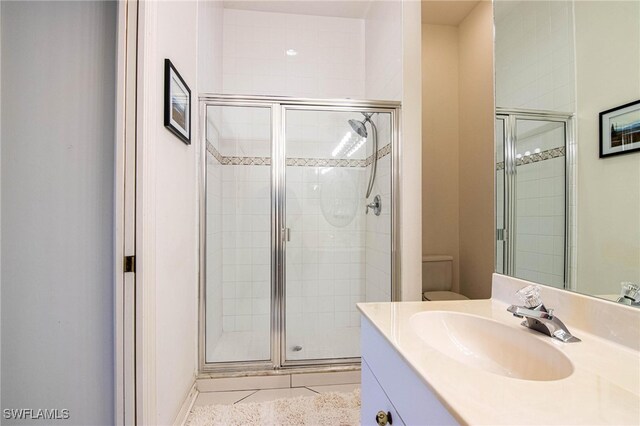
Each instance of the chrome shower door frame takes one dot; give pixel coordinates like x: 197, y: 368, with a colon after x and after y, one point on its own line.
x: 228, y: 366
x: 278, y: 107
x: 392, y: 108
x: 511, y: 117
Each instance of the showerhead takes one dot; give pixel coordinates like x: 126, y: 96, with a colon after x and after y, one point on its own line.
x: 359, y: 127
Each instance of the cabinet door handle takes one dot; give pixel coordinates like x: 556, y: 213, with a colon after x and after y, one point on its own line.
x: 383, y: 418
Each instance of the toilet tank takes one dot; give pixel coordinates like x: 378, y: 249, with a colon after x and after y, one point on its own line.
x: 437, y: 273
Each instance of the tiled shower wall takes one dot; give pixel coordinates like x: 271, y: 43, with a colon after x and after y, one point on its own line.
x: 329, y: 61
x: 326, y: 253
x: 246, y: 218
x: 213, y: 258
x: 378, y: 229
x: 535, y: 55
x: 336, y: 257
x: 540, y: 222
x: 246, y: 247
x: 325, y: 262
x: 324, y: 211
x: 540, y: 206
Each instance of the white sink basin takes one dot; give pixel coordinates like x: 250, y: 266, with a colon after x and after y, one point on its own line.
x: 491, y: 346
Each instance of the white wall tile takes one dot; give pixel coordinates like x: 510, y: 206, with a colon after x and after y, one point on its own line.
x: 254, y: 54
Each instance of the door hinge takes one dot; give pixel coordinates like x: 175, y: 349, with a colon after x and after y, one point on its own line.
x: 129, y: 264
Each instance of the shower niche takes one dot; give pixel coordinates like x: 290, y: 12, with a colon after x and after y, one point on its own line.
x: 288, y: 244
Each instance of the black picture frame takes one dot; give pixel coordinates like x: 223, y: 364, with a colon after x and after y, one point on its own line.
x: 612, y: 138
x: 177, y: 104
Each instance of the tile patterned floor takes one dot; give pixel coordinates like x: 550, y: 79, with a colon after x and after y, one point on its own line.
x: 238, y: 397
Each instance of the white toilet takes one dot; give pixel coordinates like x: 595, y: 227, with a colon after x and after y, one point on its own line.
x: 437, y: 279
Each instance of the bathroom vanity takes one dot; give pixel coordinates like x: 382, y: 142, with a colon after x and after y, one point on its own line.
x: 472, y: 362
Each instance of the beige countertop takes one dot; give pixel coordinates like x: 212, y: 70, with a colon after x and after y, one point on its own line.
x: 603, y: 389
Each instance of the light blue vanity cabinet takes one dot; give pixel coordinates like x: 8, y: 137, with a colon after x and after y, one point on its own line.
x: 390, y: 386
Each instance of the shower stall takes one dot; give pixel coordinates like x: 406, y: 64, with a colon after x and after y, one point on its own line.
x: 534, y: 163
x: 297, y: 225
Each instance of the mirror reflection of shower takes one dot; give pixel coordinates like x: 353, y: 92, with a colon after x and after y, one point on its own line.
x: 360, y: 127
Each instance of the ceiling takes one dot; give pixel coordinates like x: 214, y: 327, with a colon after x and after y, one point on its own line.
x: 449, y: 12
x: 441, y: 12
x: 338, y: 8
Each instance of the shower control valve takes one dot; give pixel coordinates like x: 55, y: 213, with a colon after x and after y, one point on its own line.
x: 376, y: 205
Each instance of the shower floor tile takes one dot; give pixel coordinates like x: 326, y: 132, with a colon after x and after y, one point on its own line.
x: 241, y: 346
x: 341, y: 342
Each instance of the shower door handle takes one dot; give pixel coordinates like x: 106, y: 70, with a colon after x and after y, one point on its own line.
x: 286, y: 234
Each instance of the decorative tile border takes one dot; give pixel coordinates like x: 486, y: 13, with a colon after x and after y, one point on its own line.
x: 304, y: 162
x: 213, y: 151
x: 325, y: 162
x: 382, y: 152
x: 536, y: 157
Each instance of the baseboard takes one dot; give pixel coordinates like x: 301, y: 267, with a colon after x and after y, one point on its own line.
x: 185, y: 409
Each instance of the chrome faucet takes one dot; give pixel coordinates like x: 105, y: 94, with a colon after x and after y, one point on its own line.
x: 538, y: 317
x: 630, y: 294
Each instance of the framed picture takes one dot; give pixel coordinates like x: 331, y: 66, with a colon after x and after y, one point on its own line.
x: 177, y: 103
x: 620, y: 130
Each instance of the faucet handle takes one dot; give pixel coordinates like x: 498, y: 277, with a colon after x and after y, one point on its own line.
x: 630, y: 293
x: 530, y: 296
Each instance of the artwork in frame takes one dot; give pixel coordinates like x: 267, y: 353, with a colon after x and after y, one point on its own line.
x: 177, y: 103
x: 620, y: 130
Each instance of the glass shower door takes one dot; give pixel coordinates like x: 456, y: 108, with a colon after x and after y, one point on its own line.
x: 337, y: 253
x: 237, y: 255
x: 540, y: 184
x: 531, y: 199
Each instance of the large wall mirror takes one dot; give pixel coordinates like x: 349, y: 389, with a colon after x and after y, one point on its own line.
x: 566, y: 216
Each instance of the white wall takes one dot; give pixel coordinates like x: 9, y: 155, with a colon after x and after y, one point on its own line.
x: 168, y: 205
x: 58, y: 114
x: 609, y: 188
x: 329, y: 63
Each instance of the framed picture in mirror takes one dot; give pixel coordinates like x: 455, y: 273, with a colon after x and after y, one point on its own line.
x: 177, y: 103
x: 620, y: 130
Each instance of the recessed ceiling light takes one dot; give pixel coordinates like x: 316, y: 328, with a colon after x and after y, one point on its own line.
x: 292, y: 52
